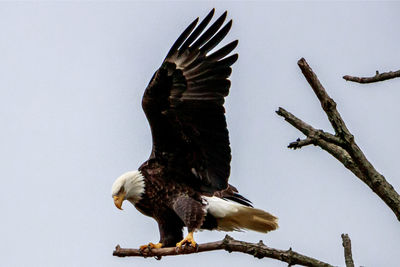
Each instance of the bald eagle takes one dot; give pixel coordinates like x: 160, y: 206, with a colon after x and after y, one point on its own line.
x: 184, y: 183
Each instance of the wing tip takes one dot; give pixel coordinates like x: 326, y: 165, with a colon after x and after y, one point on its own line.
x: 182, y: 37
x: 212, y: 12
x: 234, y: 58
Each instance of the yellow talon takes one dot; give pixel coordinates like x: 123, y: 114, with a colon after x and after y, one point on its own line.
x: 151, y: 246
x: 187, y: 240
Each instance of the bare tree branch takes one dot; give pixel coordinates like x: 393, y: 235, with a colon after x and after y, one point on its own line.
x: 326, y: 141
x: 348, y: 256
x: 300, y: 143
x: 341, y: 145
x: 327, y: 103
x: 308, y: 130
x: 377, y: 78
x: 258, y: 250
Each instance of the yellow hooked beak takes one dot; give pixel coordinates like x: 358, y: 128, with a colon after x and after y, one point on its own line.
x: 118, y: 199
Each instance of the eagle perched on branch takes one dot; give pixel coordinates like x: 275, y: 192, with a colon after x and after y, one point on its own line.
x: 184, y: 183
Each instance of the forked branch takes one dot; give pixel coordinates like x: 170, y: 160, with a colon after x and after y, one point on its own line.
x: 258, y: 250
x: 341, y: 145
x: 377, y: 78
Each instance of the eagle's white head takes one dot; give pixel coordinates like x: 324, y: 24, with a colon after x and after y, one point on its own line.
x: 130, y: 186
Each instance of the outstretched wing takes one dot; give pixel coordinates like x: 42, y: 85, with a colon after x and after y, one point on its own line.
x: 184, y: 105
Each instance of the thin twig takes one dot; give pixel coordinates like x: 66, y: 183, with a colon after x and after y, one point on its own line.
x: 341, y: 145
x: 377, y: 78
x: 258, y: 250
x: 348, y: 256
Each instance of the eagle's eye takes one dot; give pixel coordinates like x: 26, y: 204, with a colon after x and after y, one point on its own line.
x: 122, y: 189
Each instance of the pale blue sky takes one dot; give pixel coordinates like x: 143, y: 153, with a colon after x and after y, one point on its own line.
x: 71, y: 79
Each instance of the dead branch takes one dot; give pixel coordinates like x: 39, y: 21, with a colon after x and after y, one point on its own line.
x: 377, y: 78
x: 341, y: 145
x: 258, y: 250
x: 348, y: 257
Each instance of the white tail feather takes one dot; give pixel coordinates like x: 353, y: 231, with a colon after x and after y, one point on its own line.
x: 233, y: 216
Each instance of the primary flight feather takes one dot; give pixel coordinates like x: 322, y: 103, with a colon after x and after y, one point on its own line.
x: 184, y: 183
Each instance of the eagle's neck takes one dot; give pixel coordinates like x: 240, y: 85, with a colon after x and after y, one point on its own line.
x: 134, y: 186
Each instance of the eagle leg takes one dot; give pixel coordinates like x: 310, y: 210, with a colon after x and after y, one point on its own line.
x: 192, y: 214
x: 150, y: 246
x: 187, y: 240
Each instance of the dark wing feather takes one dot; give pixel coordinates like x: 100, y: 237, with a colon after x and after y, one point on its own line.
x: 198, y: 31
x: 231, y: 193
x: 184, y: 105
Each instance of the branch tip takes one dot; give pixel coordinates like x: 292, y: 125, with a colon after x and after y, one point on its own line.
x: 348, y: 257
x: 280, y: 111
x: 301, y: 61
x: 378, y: 77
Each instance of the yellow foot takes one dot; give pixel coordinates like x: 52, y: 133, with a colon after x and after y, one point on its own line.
x: 151, y: 246
x: 187, y: 240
